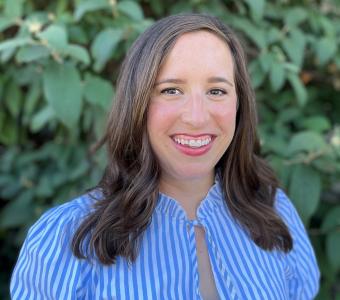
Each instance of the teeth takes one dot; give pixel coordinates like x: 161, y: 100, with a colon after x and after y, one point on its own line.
x: 193, y: 143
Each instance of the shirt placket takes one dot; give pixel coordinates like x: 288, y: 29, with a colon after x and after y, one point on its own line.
x: 193, y: 255
x: 221, y: 269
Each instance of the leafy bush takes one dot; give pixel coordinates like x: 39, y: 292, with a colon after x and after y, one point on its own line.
x: 59, y: 60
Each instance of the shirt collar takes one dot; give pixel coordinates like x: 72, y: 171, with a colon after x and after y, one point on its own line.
x: 213, y: 201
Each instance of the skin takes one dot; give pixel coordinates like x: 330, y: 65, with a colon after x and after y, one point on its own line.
x: 194, y: 98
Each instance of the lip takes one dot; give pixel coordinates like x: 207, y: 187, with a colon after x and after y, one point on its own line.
x: 193, y: 135
x: 193, y: 151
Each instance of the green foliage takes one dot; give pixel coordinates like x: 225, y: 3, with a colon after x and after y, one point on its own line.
x: 59, y: 61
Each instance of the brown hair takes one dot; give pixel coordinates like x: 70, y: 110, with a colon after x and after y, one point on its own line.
x: 129, y: 186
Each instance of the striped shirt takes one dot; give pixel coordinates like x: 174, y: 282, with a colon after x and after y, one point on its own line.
x: 166, y: 266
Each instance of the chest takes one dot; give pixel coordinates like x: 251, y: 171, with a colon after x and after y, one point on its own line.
x: 207, y: 283
x: 174, y: 263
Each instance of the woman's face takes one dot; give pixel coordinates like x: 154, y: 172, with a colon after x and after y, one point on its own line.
x: 192, y: 111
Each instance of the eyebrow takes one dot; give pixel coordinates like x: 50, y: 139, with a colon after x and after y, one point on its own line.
x: 219, y: 79
x: 171, y: 80
x: 214, y: 79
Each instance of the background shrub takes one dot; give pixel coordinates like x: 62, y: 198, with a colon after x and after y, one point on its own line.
x: 59, y: 61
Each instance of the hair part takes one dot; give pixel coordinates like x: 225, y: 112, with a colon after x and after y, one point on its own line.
x: 130, y: 182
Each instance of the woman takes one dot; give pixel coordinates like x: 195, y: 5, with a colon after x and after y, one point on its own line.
x: 186, y: 209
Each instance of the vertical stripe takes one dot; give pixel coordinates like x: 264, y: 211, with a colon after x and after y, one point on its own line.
x: 169, y: 260
x: 117, y: 277
x: 159, y: 262
x: 176, y: 259
x: 230, y: 256
x: 184, y: 266
x: 193, y: 254
x: 222, y: 279
x: 167, y: 265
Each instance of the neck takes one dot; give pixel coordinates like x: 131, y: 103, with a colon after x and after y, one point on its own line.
x: 189, y: 193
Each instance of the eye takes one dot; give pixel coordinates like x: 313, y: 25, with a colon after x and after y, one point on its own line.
x: 217, y: 92
x: 171, y: 91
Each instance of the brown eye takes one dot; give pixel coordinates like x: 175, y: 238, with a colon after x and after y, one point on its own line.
x: 170, y: 91
x: 217, y: 92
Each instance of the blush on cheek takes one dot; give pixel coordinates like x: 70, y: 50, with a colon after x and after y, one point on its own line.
x: 228, y: 114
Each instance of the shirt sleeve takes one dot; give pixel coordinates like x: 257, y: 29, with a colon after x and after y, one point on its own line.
x: 46, y: 267
x: 302, y: 272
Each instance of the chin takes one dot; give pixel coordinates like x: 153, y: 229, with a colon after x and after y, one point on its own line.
x: 194, y: 173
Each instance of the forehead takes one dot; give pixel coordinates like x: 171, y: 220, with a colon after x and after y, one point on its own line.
x: 200, y: 36
x: 199, y: 50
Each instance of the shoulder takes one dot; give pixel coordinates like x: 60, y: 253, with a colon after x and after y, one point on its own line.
x: 302, y: 268
x: 75, y: 208
x: 287, y: 211
x: 284, y: 206
x: 46, y: 265
x: 62, y: 218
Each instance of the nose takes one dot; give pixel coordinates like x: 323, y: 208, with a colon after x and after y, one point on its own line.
x: 195, y: 111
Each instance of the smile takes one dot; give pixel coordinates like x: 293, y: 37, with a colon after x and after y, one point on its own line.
x: 192, y: 142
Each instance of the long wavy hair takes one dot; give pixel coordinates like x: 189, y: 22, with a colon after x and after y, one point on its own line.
x: 129, y: 186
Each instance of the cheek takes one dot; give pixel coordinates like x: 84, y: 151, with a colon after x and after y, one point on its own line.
x: 160, y: 117
x: 226, y: 116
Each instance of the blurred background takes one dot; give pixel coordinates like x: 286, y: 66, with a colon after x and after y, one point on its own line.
x: 59, y: 61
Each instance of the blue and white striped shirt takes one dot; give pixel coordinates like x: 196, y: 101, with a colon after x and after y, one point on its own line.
x: 166, y: 266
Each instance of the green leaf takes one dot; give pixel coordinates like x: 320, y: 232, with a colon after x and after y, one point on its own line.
x: 326, y: 48
x: 273, y: 35
x: 331, y: 220
x: 291, y: 67
x: 317, y: 123
x: 79, y: 53
x: 157, y: 7
x: 88, y: 6
x: 298, y: 87
x: 14, y: 99
x: 41, y: 118
x: 277, y: 76
x: 98, y: 91
x: 18, y: 211
x: 15, y: 43
x: 32, y: 98
x: 294, y: 45
x: 104, y: 45
x: 275, y: 144
x: 26, y: 74
x: 6, y: 180
x: 325, y: 164
x: 256, y: 8
x: 256, y: 73
x: 63, y: 91
x: 7, y: 54
x: 255, y: 34
x: 8, y: 132
x: 13, y: 8
x: 305, y: 188
x: 5, y: 22
x: 30, y: 53
x: 328, y: 26
x: 131, y: 9
x: 139, y: 27
x: 80, y: 170
x: 306, y: 141
x: 287, y: 115
x: 266, y: 60
x: 295, y: 16
x: 332, y: 249
x: 78, y: 34
x: 55, y: 36
x: 45, y: 187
